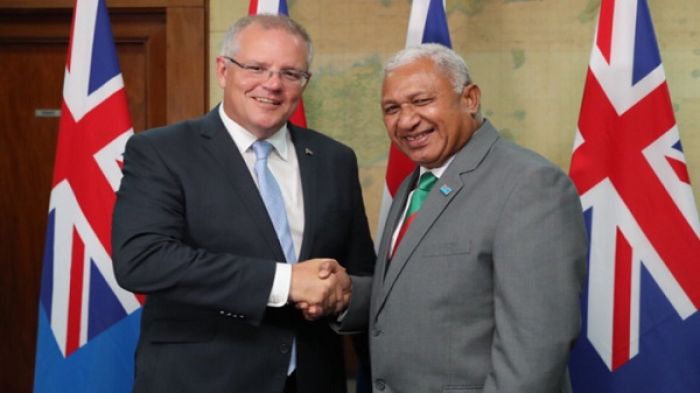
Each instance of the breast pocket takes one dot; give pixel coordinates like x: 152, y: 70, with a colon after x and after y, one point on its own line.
x: 443, y: 249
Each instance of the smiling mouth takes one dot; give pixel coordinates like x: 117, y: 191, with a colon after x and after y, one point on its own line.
x: 418, y: 139
x: 265, y: 100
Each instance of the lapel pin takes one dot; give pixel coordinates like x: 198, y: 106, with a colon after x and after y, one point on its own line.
x: 308, y: 151
x: 445, y: 189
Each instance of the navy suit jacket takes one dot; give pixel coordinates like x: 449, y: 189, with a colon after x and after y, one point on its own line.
x: 191, y: 232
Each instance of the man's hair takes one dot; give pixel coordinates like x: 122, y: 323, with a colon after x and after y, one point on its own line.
x: 444, y: 58
x: 230, y: 45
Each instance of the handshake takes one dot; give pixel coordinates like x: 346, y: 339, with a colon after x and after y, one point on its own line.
x: 319, y: 287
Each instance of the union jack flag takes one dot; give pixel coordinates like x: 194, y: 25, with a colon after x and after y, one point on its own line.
x: 641, y: 329
x: 278, y: 7
x: 427, y: 24
x: 87, y: 324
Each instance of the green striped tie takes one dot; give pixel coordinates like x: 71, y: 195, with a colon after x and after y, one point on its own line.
x: 420, y: 194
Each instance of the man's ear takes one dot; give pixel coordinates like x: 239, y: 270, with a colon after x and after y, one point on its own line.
x: 471, y: 98
x: 221, y: 71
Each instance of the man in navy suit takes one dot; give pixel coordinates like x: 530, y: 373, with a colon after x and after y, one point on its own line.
x: 195, y: 231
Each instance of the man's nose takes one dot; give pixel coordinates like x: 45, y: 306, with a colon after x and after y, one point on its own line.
x: 273, y: 80
x: 408, y: 118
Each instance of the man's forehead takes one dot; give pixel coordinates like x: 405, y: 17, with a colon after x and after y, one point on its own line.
x: 265, y: 41
x: 415, y: 81
x: 405, y: 90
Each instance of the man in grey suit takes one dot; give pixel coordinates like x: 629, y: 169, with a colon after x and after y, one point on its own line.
x: 477, y: 281
x: 211, y: 211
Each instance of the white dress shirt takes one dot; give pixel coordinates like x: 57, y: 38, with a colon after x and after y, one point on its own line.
x: 284, y: 165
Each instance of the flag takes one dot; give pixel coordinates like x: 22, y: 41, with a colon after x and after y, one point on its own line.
x: 88, y: 325
x: 640, y: 326
x: 427, y: 23
x: 278, y: 7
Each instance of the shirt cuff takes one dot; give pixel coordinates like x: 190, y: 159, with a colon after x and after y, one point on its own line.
x: 280, y: 285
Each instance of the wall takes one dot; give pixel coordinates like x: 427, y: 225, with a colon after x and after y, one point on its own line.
x: 529, y: 57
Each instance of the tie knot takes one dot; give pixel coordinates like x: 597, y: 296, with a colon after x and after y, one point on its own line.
x: 427, y: 181
x: 262, y: 149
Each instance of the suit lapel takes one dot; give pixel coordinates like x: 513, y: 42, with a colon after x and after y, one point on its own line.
x: 217, y: 141
x: 446, y: 189
x: 397, y: 206
x: 308, y: 163
x: 392, y: 220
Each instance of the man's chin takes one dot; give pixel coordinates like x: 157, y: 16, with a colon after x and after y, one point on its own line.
x: 268, y: 128
x: 418, y: 156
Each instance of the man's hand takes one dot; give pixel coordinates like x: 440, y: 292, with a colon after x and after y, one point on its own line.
x: 319, y: 287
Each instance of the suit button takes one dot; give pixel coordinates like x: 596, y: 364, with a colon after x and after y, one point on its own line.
x: 284, y: 348
x: 379, y: 384
x: 376, y: 332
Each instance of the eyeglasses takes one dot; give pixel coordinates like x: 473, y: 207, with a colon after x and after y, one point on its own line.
x: 288, y: 76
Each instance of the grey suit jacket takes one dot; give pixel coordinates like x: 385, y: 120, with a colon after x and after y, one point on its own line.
x: 482, y: 295
x: 192, y: 233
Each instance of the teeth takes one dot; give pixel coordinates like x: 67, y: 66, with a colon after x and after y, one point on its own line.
x: 416, y: 136
x: 265, y: 100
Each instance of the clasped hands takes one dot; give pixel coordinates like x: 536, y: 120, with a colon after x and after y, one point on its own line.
x: 319, y: 287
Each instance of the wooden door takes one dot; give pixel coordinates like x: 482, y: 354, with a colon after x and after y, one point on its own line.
x: 33, y: 43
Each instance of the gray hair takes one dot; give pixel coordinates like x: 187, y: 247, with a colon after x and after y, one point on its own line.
x: 230, y: 45
x: 444, y: 58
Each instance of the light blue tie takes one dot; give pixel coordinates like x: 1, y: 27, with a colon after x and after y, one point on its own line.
x: 274, y: 203
x: 272, y: 196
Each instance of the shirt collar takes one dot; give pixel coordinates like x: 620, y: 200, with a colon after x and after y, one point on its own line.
x: 439, y: 170
x: 244, y: 139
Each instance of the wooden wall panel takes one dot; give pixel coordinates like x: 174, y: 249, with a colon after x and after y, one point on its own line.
x: 186, y: 75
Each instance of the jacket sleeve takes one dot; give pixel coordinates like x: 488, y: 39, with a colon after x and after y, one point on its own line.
x: 539, y: 266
